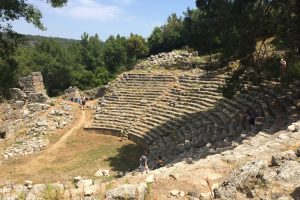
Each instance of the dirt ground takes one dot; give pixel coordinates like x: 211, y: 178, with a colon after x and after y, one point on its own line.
x: 73, y: 152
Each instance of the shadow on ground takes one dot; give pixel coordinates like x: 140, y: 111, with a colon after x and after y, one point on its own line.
x: 127, y: 158
x: 296, y: 194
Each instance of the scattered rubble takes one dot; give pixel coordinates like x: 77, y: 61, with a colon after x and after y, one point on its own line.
x: 175, y: 59
x: 37, y: 128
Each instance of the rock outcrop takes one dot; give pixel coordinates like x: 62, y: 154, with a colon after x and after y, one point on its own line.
x: 127, y: 191
x: 25, y: 103
x: 176, y: 59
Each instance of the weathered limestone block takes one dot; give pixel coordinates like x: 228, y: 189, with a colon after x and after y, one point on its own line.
x: 127, y: 191
x: 280, y: 158
x: 101, y: 173
x: 71, y: 92
x: 36, y: 107
x: 84, y: 183
x: 289, y: 172
x: 242, y: 180
x: 37, y: 97
x: 32, y: 83
x: 17, y: 94
x: 95, y: 92
x: 169, y: 60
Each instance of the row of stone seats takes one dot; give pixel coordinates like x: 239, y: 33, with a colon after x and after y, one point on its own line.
x: 223, y: 121
x: 166, y: 123
x: 186, y: 111
x: 278, y: 104
x: 131, y: 95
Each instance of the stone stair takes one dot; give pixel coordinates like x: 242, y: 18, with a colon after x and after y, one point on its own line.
x: 169, y: 114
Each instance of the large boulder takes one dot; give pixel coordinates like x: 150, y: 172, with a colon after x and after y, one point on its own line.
x: 84, y: 183
x: 242, y: 180
x: 128, y: 192
x: 101, y: 173
x: 279, y: 158
x: 289, y: 173
x: 37, y: 97
x: 17, y: 94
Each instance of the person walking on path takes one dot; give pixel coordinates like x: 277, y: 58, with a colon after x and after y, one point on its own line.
x: 83, y: 102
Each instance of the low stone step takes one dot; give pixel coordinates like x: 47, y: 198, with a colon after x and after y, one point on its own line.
x: 113, y: 127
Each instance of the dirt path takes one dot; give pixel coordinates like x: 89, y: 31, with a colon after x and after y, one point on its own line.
x: 49, y: 155
x: 73, y: 152
x: 78, y: 125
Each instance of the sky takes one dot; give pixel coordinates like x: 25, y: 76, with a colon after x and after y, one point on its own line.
x: 104, y: 17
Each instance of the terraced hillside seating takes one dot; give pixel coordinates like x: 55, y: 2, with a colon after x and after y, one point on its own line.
x: 169, y: 113
x: 128, y: 99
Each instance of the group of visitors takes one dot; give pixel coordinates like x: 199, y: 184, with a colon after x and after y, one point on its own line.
x: 159, y: 162
x: 81, y: 100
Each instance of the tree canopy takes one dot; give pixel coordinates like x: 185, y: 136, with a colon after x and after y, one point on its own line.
x: 235, y: 29
x: 14, y: 10
x: 167, y: 37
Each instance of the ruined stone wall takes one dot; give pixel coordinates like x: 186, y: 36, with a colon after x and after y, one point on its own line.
x: 71, y: 92
x: 32, y: 89
x: 32, y: 83
x: 24, y: 104
x: 10, y: 118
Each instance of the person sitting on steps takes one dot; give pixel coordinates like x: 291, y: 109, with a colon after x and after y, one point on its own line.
x: 251, y: 116
x: 159, y: 162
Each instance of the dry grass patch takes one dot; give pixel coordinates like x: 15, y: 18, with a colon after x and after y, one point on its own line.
x: 82, y: 154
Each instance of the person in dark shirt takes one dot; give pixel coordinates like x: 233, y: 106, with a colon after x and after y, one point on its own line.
x: 159, y: 162
x: 251, y: 116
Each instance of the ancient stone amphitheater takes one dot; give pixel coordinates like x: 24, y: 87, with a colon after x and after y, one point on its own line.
x: 211, y: 149
x: 170, y: 112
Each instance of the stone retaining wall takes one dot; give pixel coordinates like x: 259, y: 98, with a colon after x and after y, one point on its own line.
x: 32, y: 83
x: 24, y: 104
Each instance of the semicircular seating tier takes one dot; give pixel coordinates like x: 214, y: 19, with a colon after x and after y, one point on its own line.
x: 169, y: 113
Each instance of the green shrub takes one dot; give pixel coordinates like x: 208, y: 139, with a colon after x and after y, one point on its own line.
x: 149, y: 194
x: 21, y: 196
x: 51, y: 193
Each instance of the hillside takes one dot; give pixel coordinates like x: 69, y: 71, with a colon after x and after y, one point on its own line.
x: 33, y: 40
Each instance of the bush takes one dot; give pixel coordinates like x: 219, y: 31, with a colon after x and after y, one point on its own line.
x: 2, y: 99
x: 51, y: 193
x: 293, y: 72
x: 21, y: 196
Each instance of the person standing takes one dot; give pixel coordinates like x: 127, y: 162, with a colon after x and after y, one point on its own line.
x: 144, y: 162
x: 83, y: 102
x: 282, y: 66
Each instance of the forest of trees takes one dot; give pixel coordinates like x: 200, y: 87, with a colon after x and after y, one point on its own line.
x: 229, y: 27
